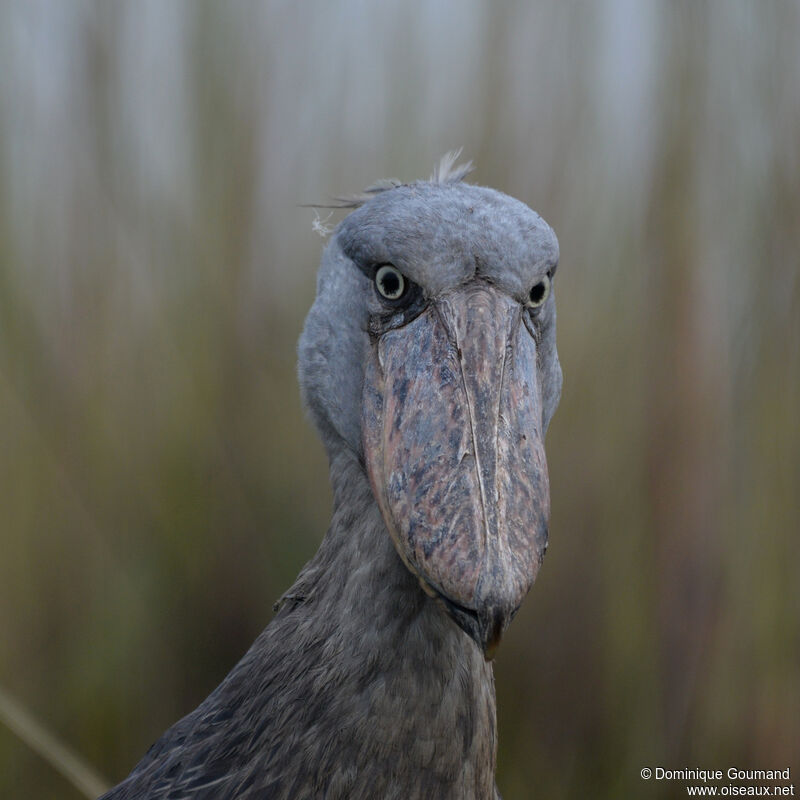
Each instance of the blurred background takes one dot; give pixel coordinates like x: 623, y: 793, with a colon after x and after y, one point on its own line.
x: 159, y: 485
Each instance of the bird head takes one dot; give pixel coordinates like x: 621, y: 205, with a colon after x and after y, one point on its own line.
x: 430, y: 352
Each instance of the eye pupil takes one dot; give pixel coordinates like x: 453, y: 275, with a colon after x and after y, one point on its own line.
x: 390, y: 282
x: 537, y: 293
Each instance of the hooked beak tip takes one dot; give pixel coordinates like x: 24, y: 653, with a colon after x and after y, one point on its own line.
x: 484, y: 627
x: 493, y: 635
x: 491, y: 649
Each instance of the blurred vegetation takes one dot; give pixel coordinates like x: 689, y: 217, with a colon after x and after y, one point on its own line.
x: 159, y: 487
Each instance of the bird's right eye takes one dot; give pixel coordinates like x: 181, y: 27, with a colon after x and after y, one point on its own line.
x: 539, y: 293
x: 390, y: 282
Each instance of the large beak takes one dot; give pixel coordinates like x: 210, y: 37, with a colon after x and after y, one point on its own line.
x: 454, y: 449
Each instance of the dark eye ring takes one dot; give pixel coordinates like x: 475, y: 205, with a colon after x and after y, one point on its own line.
x: 389, y: 282
x: 539, y: 293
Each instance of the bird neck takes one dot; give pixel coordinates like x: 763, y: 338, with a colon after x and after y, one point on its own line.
x: 418, y: 688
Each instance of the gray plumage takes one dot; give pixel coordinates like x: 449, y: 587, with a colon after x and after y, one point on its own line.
x: 374, y: 678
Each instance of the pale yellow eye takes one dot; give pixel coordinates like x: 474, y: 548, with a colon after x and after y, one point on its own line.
x: 539, y: 293
x: 390, y: 282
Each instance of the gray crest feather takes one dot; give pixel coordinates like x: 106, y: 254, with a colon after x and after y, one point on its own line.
x: 357, y: 200
x: 446, y: 170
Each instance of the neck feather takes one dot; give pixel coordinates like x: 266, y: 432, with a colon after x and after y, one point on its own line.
x: 412, y: 687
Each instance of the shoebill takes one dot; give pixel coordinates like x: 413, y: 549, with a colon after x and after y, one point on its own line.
x: 428, y: 364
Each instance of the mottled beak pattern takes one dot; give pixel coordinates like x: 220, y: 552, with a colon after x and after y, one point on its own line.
x: 453, y: 443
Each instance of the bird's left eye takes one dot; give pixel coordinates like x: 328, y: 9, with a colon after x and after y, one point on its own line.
x: 539, y: 293
x: 390, y: 282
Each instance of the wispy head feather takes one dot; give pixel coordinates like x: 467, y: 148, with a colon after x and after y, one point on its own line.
x: 356, y: 200
x: 445, y: 171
